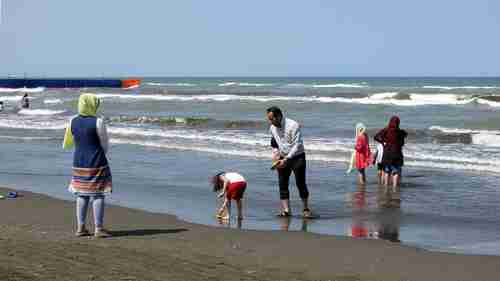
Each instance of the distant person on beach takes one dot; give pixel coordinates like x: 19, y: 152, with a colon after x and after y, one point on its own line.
x: 362, y: 154
x: 287, y: 141
x: 1, y: 106
x: 91, y: 173
x: 25, y: 103
x: 377, y: 161
x: 231, y: 186
x: 393, y: 140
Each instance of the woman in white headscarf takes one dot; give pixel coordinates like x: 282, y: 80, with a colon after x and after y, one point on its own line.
x: 362, y: 156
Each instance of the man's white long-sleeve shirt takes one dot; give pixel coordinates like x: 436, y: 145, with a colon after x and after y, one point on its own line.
x: 288, y: 138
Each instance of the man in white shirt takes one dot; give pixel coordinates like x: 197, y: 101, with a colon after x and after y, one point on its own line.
x: 287, y: 141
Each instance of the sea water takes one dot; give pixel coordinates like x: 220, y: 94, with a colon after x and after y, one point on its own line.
x: 169, y: 136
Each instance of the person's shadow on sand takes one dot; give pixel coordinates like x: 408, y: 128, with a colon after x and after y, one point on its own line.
x: 144, y: 232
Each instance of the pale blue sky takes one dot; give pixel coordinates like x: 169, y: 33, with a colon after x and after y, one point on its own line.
x: 250, y: 38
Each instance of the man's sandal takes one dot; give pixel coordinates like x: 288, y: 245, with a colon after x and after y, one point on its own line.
x: 284, y: 214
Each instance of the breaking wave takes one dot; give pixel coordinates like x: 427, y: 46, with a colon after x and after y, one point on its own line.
x: 40, y: 112
x: 23, y: 90
x: 384, y: 98
x: 172, y: 84
x: 189, y: 122
x: 479, y: 137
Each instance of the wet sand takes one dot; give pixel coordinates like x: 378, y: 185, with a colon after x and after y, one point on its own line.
x: 37, y: 243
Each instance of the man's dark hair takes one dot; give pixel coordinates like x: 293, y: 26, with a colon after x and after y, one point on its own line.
x: 275, y: 110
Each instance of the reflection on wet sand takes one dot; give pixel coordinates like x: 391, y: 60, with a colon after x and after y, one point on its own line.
x: 228, y: 222
x: 386, y: 198
x: 383, y: 221
x: 285, y: 224
x: 360, y: 226
x: 389, y: 215
x: 375, y: 215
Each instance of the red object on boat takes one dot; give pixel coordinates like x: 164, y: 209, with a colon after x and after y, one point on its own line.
x: 130, y: 83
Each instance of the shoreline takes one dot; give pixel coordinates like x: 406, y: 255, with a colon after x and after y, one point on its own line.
x: 37, y: 243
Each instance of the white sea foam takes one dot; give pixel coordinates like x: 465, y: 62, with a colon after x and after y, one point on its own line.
x: 463, y: 131
x: 455, y: 157
x: 380, y: 98
x: 232, y: 137
x: 40, y: 112
x: 486, y: 139
x: 383, y: 96
x: 451, y: 130
x: 237, y: 152
x: 261, y: 152
x: 453, y: 166
x: 488, y: 102
x: 226, y: 84
x: 325, y: 158
x: 459, y: 87
x: 414, y: 99
x: 33, y: 124
x: 207, y: 98
x: 171, y: 84
x: 480, y: 137
x: 52, y: 101
x: 244, y: 84
x: 257, y: 145
x: 447, y: 156
x: 219, y: 136
x: 318, y: 149
x: 296, y: 85
x: 337, y: 145
x: 255, y: 84
x: 10, y: 98
x: 27, y: 138
x: 338, y: 86
x: 440, y: 99
x: 24, y: 90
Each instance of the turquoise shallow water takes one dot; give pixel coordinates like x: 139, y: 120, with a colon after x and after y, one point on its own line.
x: 170, y: 135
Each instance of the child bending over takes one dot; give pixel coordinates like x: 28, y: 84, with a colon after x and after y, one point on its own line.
x: 232, y: 185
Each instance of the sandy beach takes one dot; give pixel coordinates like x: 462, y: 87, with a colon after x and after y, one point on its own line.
x: 37, y: 243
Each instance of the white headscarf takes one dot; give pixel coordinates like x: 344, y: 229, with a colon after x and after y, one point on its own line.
x: 360, y: 128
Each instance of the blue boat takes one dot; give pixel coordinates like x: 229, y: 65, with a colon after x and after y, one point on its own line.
x: 17, y: 83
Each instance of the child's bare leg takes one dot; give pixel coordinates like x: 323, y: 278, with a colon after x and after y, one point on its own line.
x: 222, y: 209
x: 228, y: 207
x: 361, y: 177
x: 239, y: 204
